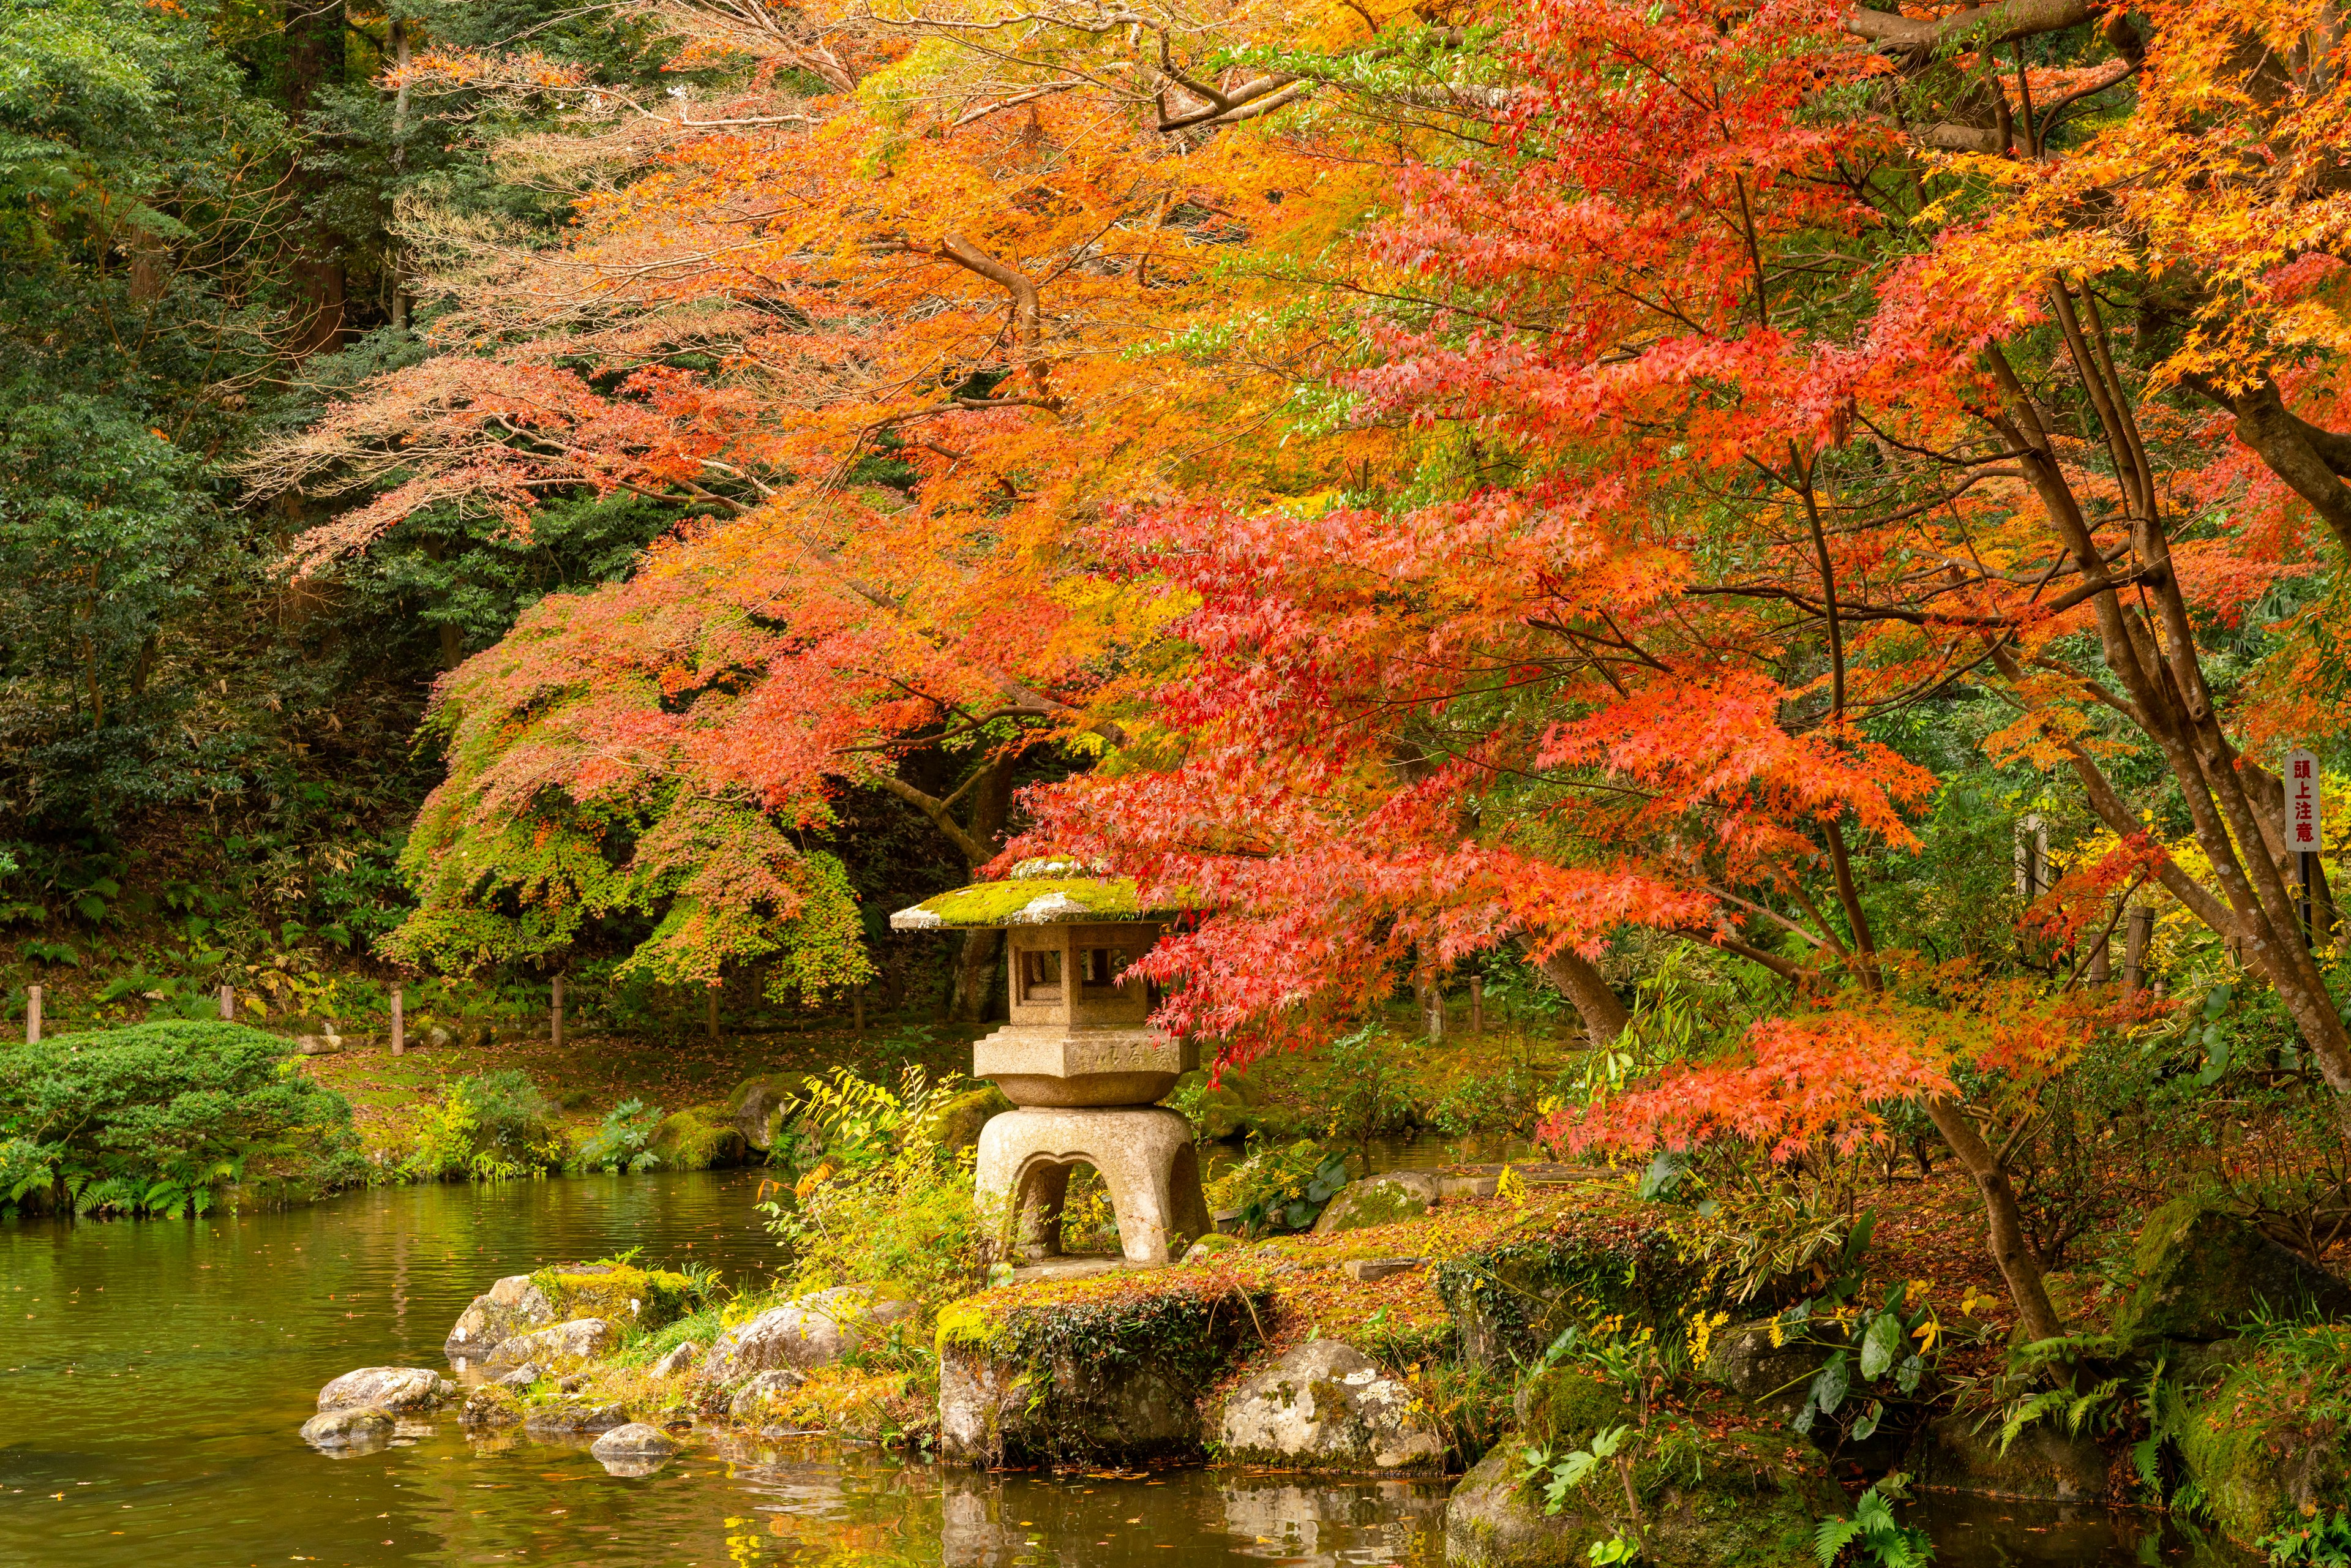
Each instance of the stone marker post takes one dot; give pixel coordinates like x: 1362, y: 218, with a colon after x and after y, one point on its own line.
x: 32, y: 1015
x: 228, y: 1004
x: 398, y: 1025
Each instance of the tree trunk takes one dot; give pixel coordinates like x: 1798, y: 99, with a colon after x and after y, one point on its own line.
x: 315, y: 59
x: 2005, y: 1221
x: 1604, y: 1015
x: 975, y: 976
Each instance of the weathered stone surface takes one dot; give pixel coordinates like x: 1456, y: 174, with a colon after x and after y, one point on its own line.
x: 757, y: 1106
x: 1741, y: 1506
x: 2265, y: 1440
x: 362, y: 1428
x: 397, y: 1389
x: 678, y: 1361
x: 1743, y: 1360
x: 1369, y: 1268
x: 1015, y: 1388
x: 1457, y: 1188
x: 2044, y: 1463
x: 1062, y: 1066
x: 555, y: 1349
x: 2203, y: 1273
x: 1143, y: 1154
x: 1381, y: 1199
x: 487, y: 1409
x: 512, y: 1306
x: 617, y: 1293
x: 570, y: 1418
x: 1326, y: 1405
x: 523, y: 1376
x: 637, y: 1441
x: 804, y: 1334
x: 764, y: 1395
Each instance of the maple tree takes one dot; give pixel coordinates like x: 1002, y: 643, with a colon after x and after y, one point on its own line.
x: 895, y: 319
x: 1792, y: 366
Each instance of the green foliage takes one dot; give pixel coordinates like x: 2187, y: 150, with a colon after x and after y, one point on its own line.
x: 880, y: 1202
x: 159, y: 1118
x: 1561, y: 1474
x: 2324, y: 1541
x: 618, y: 1142
x: 1360, y: 1086
x: 1281, y: 1187
x: 1872, y: 1535
x: 491, y: 1126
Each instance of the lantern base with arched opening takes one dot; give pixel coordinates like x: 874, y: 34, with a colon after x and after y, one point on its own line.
x: 1144, y: 1154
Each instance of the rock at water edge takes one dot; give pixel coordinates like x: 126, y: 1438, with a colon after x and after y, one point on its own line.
x: 349, y: 1428
x: 514, y: 1305
x: 637, y: 1441
x: 1326, y: 1405
x: 809, y: 1332
x: 557, y: 1349
x: 398, y: 1389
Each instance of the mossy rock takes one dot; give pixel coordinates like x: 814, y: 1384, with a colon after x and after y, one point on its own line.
x: 1563, y: 1407
x: 954, y: 1123
x: 638, y: 1300
x: 1741, y: 1500
x: 2202, y: 1274
x: 756, y: 1105
x: 699, y: 1138
x: 1388, y: 1198
x: 1105, y: 1370
x: 1610, y: 1258
x: 2267, y: 1444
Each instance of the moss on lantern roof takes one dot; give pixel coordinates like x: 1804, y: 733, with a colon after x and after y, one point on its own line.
x: 1025, y: 900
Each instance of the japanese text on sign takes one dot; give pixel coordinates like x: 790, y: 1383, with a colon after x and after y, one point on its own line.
x: 2302, y: 817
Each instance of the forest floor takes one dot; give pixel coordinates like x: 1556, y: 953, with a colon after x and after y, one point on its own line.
x: 588, y: 1075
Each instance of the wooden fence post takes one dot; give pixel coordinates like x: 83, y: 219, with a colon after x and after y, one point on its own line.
x: 398, y: 1025
x: 228, y: 1004
x: 557, y: 1031
x: 2134, y: 944
x: 32, y: 1015
x: 857, y: 1010
x: 1477, y: 1007
x: 710, y: 1010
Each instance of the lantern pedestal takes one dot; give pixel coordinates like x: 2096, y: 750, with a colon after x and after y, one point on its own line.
x: 1144, y: 1154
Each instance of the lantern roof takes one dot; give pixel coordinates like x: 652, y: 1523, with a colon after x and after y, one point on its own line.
x: 1037, y: 893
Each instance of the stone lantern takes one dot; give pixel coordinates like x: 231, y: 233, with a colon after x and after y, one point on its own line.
x: 1080, y: 1060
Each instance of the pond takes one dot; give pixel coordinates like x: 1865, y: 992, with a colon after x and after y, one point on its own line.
x: 152, y: 1376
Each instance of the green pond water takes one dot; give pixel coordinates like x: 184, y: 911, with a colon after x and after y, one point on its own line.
x: 152, y: 1376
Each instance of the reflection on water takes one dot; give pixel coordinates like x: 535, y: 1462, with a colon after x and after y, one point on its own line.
x: 152, y: 1376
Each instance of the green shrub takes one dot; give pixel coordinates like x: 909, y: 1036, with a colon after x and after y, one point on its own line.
x: 619, y: 1143
x: 491, y: 1126
x: 1279, y: 1187
x: 159, y: 1117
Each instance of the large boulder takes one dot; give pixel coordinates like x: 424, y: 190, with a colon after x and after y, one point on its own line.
x: 1744, y: 1360
x: 2265, y: 1439
x: 2203, y: 1273
x: 764, y: 1397
x: 360, y: 1429
x: 756, y: 1106
x: 620, y: 1294
x: 1109, y: 1370
x: 400, y: 1390
x: 512, y: 1306
x: 2044, y: 1463
x: 1381, y: 1199
x: 801, y: 1334
x: 557, y: 1349
x: 1608, y: 1257
x: 954, y: 1123
x: 1327, y: 1406
x: 699, y: 1138
x: 1708, y: 1500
